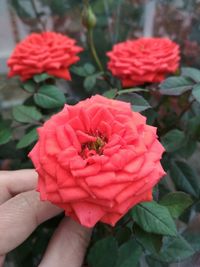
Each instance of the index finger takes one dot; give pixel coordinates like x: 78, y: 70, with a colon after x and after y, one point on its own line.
x: 16, y: 182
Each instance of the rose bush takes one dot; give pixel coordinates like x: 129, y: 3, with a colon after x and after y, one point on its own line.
x: 143, y: 60
x: 48, y: 52
x: 97, y: 159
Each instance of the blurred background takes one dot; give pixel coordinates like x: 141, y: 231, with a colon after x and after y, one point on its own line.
x: 118, y: 20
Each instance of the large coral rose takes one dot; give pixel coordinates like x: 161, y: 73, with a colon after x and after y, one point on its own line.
x: 48, y: 52
x: 143, y: 60
x: 97, y: 159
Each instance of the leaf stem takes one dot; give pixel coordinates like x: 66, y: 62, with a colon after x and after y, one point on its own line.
x: 93, y: 50
x: 117, y: 25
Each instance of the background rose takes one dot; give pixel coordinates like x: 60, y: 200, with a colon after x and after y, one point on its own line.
x: 48, y: 52
x: 143, y: 60
x: 97, y: 159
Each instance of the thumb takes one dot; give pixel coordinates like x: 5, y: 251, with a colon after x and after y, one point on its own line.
x: 1, y: 260
x: 67, y: 246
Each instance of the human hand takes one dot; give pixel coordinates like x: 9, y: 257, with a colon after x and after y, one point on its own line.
x: 21, y: 211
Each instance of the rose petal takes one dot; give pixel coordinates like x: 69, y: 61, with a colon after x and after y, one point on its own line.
x: 88, y: 214
x: 72, y: 194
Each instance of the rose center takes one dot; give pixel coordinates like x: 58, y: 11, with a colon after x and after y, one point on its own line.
x: 93, y: 148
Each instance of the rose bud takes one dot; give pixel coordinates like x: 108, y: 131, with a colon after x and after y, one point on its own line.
x: 88, y: 17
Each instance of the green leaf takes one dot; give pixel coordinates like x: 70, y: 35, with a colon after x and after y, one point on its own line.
x: 154, y: 263
x: 28, y: 139
x: 49, y: 96
x: 80, y: 71
x: 196, y: 92
x: 191, y: 73
x: 175, y: 86
x: 184, y: 178
x: 110, y: 93
x: 41, y: 77
x: 89, y: 82
x: 151, y: 242
x: 5, y: 133
x: 151, y: 116
x: 176, y: 203
x: 131, y: 90
x: 193, y: 127
x: 123, y: 234
x: 188, y: 148
x: 103, y: 253
x: 154, y: 218
x: 173, y: 140
x: 138, y: 102
x: 129, y: 254
x: 174, y: 250
x: 83, y: 71
x: 26, y: 114
x: 29, y: 86
x: 193, y: 239
x: 89, y: 68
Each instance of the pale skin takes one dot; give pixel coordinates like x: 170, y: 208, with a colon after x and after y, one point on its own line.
x: 21, y: 211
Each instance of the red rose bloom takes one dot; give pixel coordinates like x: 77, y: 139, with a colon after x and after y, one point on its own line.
x: 143, y: 60
x: 48, y: 52
x: 97, y: 159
